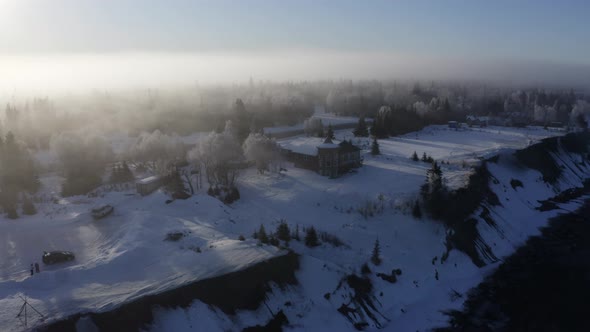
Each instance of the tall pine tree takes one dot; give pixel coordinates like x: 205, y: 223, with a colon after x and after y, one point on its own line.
x: 375, y: 147
x: 376, y: 255
x: 361, y: 128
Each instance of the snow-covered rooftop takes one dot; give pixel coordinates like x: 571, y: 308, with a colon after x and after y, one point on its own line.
x: 305, y: 145
x: 149, y: 179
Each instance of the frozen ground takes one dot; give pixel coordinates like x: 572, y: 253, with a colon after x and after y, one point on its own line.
x: 123, y: 257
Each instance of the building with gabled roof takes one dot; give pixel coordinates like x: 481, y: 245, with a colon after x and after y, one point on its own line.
x: 325, y: 157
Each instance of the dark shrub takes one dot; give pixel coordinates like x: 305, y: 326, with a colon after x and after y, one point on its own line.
x: 516, y: 183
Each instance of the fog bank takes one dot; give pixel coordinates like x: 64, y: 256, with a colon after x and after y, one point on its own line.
x: 76, y: 72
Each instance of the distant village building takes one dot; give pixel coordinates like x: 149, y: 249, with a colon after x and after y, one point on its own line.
x: 327, y: 158
x: 453, y: 124
x: 148, y: 185
x: 477, y: 121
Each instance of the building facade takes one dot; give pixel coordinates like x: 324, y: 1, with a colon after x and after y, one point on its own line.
x: 328, y: 158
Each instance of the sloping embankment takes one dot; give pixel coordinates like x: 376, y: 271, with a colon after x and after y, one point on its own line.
x: 245, y: 289
x: 507, y: 194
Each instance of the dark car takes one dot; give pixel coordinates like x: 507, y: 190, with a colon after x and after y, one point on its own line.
x: 101, y: 212
x: 53, y: 257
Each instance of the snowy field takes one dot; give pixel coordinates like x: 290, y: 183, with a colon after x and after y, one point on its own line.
x: 124, y: 256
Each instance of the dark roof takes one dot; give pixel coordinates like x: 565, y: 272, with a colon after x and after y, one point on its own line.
x: 346, y: 146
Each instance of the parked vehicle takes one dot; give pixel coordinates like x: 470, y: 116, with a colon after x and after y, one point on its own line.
x: 53, y: 257
x: 103, y: 211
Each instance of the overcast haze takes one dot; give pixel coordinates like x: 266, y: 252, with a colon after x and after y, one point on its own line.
x: 51, y: 44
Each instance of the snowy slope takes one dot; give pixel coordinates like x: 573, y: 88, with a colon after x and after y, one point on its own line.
x: 413, y: 303
x: 119, y: 258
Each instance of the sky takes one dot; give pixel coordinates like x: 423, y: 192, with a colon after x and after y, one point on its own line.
x: 332, y: 39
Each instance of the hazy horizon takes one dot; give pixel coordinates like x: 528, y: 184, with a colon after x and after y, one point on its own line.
x: 67, y: 45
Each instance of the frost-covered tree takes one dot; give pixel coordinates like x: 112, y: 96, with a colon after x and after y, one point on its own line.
x: 219, y: 155
x: 580, y: 114
x: 156, y: 150
x: 262, y: 150
x: 83, y: 159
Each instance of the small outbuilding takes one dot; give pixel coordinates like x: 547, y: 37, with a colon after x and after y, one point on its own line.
x: 148, y: 185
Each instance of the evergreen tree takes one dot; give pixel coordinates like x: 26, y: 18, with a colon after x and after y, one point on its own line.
x: 424, y: 157
x: 433, y: 192
x: 415, y: 156
x: 283, y: 232
x: 242, y: 120
x: 330, y: 132
x: 311, y: 237
x: 28, y: 206
x: 446, y: 106
x: 375, y: 147
x: 262, y: 237
x: 321, y: 130
x: 375, y: 256
x: 361, y: 128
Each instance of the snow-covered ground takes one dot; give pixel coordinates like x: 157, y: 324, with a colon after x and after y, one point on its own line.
x: 119, y: 258
x: 124, y: 256
x: 415, y: 302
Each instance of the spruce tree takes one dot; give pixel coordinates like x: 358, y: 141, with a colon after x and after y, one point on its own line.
x: 311, y: 237
x: 330, y: 132
x: 375, y: 256
x: 262, y: 237
x: 433, y: 192
x: 321, y: 130
x: 415, y: 156
x: 375, y: 147
x: 361, y: 128
x: 424, y: 157
x: 283, y: 232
